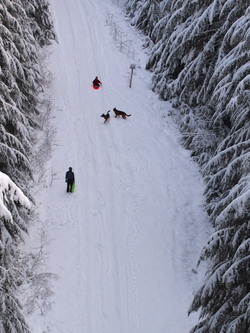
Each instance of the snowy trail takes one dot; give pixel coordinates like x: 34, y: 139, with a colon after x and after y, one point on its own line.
x: 124, y: 244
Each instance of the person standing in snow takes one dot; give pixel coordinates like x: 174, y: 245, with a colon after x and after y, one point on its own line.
x: 69, y: 179
x: 96, y: 82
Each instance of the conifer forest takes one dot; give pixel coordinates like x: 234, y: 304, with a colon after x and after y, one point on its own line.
x: 25, y: 28
x: 200, y: 59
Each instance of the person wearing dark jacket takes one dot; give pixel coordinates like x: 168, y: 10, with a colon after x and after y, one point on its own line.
x: 96, y: 82
x: 69, y: 179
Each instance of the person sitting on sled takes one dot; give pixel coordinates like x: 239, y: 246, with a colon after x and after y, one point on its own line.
x: 96, y: 82
x: 70, y: 179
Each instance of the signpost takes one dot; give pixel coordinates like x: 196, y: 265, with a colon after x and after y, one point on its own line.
x: 132, y: 67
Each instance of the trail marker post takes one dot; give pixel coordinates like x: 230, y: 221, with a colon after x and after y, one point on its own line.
x: 132, y: 67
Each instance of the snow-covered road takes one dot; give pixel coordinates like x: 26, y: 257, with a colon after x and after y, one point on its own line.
x: 124, y: 244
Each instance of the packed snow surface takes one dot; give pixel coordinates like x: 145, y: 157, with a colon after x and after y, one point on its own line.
x: 125, y: 244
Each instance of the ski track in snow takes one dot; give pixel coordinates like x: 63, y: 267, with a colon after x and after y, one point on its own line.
x: 124, y: 244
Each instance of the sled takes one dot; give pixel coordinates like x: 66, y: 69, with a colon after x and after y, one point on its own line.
x: 73, y: 187
x: 96, y: 87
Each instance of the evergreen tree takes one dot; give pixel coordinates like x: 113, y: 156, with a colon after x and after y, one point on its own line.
x: 13, y: 206
x: 24, y: 25
x: 40, y: 21
x: 19, y: 87
x: 145, y: 14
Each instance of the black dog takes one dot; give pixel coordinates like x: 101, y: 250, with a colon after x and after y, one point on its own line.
x: 119, y: 113
x: 106, y: 116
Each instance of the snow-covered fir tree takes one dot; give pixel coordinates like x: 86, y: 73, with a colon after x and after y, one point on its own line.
x: 24, y: 27
x: 200, y: 59
x: 40, y: 21
x: 13, y: 209
x: 144, y: 14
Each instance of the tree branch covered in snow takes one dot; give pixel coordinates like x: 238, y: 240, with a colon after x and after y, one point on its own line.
x: 13, y: 206
x: 11, y: 197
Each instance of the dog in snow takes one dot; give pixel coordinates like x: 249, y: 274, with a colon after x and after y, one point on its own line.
x: 106, y: 116
x: 119, y: 113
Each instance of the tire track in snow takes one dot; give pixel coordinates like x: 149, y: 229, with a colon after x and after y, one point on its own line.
x: 93, y: 28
